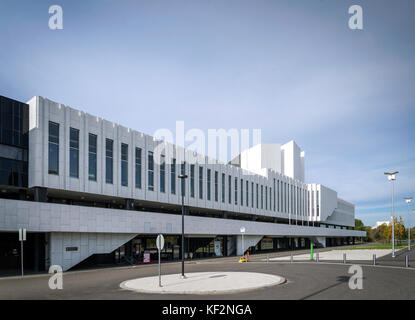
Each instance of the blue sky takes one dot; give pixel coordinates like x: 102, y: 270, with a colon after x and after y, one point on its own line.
x: 291, y: 68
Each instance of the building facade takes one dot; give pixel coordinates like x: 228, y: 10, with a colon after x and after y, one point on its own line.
x: 92, y: 191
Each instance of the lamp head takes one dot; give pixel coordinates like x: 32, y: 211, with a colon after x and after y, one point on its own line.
x: 408, y: 200
x: 391, y: 175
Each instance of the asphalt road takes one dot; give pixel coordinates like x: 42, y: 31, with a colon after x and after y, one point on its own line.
x: 304, y: 281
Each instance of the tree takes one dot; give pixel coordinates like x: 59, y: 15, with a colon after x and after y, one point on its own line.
x: 358, y: 225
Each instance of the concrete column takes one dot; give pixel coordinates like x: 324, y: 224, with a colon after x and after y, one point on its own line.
x: 40, y: 194
x: 37, y: 252
x: 129, y: 204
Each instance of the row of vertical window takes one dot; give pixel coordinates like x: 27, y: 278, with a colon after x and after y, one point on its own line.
x: 263, y: 196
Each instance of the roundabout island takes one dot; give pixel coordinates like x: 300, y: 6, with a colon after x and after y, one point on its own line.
x: 204, y: 283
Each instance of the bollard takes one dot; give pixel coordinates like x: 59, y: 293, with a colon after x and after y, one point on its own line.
x: 406, y: 261
x: 374, y: 259
x: 267, y: 258
x: 344, y: 258
x: 291, y: 258
x: 318, y: 257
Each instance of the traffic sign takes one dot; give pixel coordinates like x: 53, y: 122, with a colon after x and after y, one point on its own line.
x: 22, y: 234
x: 160, y: 242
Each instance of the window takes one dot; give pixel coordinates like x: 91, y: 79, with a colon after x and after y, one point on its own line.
x: 150, y: 162
x: 242, y: 192
x: 318, y: 203
x: 173, y: 177
x: 192, y: 180
x: 262, y: 197
x: 247, y: 193
x: 124, y: 164
x: 285, y: 197
x: 278, y: 195
x: 183, y: 171
x: 274, y: 197
x: 74, y: 153
x: 266, y: 198
x: 138, y: 164
x: 53, y: 148
x: 291, y: 199
x: 257, y: 196
x: 312, y: 203
x: 252, y: 194
x: 200, y: 182
x: 92, y: 157
x: 162, y: 173
x: 208, y: 183
x: 236, y: 191
x: 223, y: 187
x: 109, y: 151
x: 216, y: 185
x: 229, y: 189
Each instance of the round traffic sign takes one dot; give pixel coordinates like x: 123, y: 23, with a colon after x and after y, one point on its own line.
x: 160, y: 242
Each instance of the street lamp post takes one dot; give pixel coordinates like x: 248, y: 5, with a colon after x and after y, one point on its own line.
x: 242, y: 229
x: 182, y: 177
x: 408, y: 200
x: 392, y: 178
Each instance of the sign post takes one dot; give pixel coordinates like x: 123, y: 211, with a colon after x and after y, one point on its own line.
x: 311, y: 251
x: 160, y: 246
x: 22, y: 237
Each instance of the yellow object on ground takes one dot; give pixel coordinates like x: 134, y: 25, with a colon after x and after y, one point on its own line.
x: 242, y: 259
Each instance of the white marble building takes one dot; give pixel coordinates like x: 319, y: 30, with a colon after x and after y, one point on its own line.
x: 76, y: 158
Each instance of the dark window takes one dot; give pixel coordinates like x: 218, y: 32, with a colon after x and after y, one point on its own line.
x: 242, y: 192
x: 247, y: 193
x: 53, y: 148
x: 252, y: 194
x: 183, y: 183
x: 266, y: 198
x: 318, y: 203
x: 138, y: 164
x: 236, y: 191
x: 150, y: 171
x: 13, y: 172
x: 162, y: 173
x: 124, y: 164
x: 192, y: 180
x: 216, y: 185
x: 92, y: 157
x: 109, y: 152
x: 74, y: 153
x: 223, y: 187
x: 229, y: 189
x: 208, y: 183
x: 173, y: 176
x: 257, y: 196
x: 14, y: 123
x: 200, y: 182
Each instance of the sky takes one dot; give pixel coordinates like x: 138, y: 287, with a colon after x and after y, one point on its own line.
x: 293, y: 69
